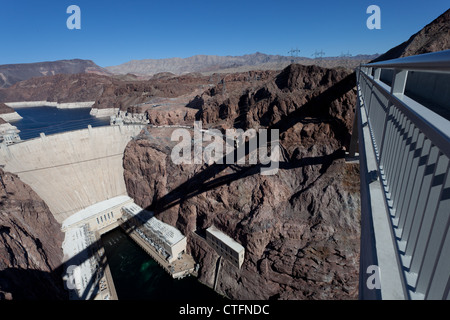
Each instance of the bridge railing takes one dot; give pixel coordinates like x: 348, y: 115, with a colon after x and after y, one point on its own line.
x: 411, y: 144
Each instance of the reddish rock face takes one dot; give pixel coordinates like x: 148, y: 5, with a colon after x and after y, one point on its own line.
x: 5, y: 109
x: 30, y: 244
x: 300, y: 227
x: 433, y: 37
x: 309, y: 91
x: 13, y: 73
x: 107, y: 92
x: 58, y: 88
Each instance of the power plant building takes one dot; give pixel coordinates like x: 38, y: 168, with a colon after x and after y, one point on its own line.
x: 225, y: 246
x: 167, y: 240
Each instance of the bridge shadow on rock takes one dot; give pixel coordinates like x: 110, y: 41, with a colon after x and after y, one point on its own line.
x: 319, y: 107
x: 316, y: 107
x: 202, y: 182
x: 208, y: 178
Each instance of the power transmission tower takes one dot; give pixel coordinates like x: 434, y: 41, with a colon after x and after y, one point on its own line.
x: 293, y: 53
x: 346, y: 55
x: 318, y: 54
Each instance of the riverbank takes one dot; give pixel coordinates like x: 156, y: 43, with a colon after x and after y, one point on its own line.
x: 12, y: 116
x: 65, y: 105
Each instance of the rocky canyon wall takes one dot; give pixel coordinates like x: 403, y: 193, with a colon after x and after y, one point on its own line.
x: 30, y: 244
x: 300, y: 228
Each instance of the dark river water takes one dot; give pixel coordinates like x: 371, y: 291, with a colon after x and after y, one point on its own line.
x: 52, y: 120
x: 137, y: 276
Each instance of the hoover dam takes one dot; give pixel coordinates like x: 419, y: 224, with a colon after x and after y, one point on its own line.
x: 79, y: 174
x: 72, y: 170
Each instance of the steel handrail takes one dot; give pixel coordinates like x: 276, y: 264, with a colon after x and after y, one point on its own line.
x: 430, y: 123
x: 435, y: 61
x: 410, y: 145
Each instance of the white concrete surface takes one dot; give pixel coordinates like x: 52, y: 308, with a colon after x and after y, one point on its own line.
x: 103, y: 113
x: 86, y: 214
x: 7, y: 126
x: 81, y: 271
x: 27, y: 104
x: 12, y: 116
x: 75, y: 105
x: 73, y: 170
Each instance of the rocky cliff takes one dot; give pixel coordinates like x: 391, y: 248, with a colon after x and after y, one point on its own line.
x: 5, y: 109
x: 126, y: 95
x: 30, y: 244
x: 58, y: 88
x: 13, y: 73
x: 6, y: 112
x: 433, y: 37
x: 107, y: 92
x: 272, y: 100
x: 300, y: 227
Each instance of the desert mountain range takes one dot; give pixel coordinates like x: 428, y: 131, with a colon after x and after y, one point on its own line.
x: 143, y: 69
x: 212, y: 63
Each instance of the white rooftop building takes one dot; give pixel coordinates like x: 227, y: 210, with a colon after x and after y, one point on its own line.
x: 225, y: 246
x: 81, y: 272
x: 99, y: 215
x: 9, y: 135
x: 80, y: 250
x: 166, y: 239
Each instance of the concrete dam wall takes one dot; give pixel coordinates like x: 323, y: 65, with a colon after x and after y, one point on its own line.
x: 73, y: 170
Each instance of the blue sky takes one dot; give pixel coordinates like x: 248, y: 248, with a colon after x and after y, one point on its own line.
x: 114, y: 32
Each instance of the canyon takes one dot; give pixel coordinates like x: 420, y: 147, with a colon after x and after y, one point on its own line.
x: 304, y: 218
x: 300, y: 228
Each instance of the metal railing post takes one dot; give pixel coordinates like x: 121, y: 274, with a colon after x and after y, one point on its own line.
x: 411, y: 146
x: 377, y: 73
x: 399, y: 81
